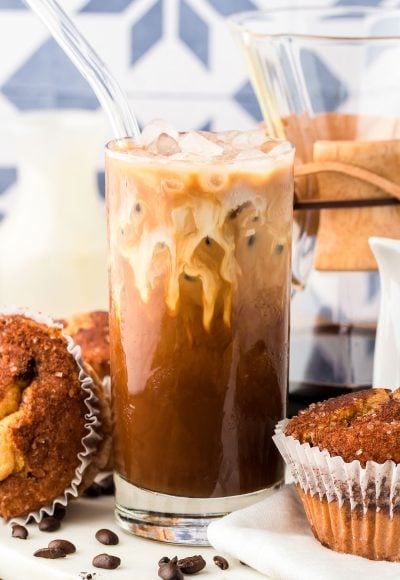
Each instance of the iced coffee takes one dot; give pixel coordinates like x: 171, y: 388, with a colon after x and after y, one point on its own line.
x: 200, y: 245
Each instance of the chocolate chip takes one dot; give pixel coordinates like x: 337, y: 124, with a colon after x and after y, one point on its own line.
x: 279, y: 248
x: 93, y: 490
x: 107, y: 537
x: 51, y: 553
x: 19, y: 532
x: 192, y: 564
x: 49, y: 524
x: 59, y: 512
x: 163, y: 560
x: 106, y: 561
x: 170, y: 570
x: 107, y: 485
x: 68, y: 547
x: 221, y: 562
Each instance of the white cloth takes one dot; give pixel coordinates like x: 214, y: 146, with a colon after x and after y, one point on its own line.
x: 274, y: 537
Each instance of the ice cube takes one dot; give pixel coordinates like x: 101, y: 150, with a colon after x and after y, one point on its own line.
x: 281, y: 148
x: 250, y: 155
x: 164, y: 145
x: 250, y: 139
x: 195, y: 144
x: 155, y: 128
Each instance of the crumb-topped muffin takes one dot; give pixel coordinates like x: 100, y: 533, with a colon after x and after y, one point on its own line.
x: 344, y: 456
x: 43, y: 415
x: 91, y: 331
x: 363, y: 426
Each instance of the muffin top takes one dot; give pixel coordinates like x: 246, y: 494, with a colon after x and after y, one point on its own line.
x: 359, y: 426
x: 91, y: 331
x: 42, y: 415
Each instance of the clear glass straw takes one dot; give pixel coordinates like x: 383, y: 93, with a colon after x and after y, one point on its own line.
x: 89, y: 64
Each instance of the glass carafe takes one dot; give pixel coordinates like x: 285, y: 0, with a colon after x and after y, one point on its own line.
x: 328, y: 80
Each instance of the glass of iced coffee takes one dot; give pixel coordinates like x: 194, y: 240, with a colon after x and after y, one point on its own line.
x: 200, y: 248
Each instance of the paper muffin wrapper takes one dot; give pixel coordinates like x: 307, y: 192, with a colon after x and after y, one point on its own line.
x: 350, y: 508
x: 92, y: 438
x: 375, y: 486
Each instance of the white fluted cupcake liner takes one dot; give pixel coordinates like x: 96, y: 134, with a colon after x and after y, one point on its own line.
x: 92, y: 420
x: 375, y: 486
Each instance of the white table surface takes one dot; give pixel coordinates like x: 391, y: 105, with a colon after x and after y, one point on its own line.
x: 84, y: 517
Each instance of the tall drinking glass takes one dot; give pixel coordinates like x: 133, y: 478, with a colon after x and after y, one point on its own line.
x: 200, y: 249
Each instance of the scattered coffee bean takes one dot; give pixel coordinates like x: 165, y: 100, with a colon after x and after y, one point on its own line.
x: 93, y: 490
x: 59, y: 512
x: 107, y: 485
x: 49, y: 524
x: 106, y: 561
x: 107, y: 537
x: 68, y: 547
x: 51, y: 553
x: 163, y: 560
x: 221, y: 562
x: 170, y: 570
x: 19, y: 532
x: 192, y: 564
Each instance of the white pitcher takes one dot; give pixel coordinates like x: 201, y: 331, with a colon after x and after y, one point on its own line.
x: 387, y: 346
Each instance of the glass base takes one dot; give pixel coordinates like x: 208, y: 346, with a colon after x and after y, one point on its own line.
x: 173, y: 519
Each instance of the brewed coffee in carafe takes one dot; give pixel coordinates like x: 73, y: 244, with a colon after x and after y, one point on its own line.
x: 327, y: 80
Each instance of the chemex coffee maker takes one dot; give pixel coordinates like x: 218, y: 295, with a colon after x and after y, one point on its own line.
x: 328, y: 80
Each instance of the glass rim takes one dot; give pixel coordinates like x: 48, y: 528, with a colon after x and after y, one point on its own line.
x: 200, y: 161
x: 238, y: 22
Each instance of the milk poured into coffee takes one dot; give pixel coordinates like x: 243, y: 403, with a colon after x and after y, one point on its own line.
x: 200, y: 243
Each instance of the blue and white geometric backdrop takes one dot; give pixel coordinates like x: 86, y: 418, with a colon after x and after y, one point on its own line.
x: 174, y: 58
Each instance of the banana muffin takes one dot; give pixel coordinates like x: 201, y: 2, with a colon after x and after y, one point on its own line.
x: 48, y: 405
x: 90, y: 330
x: 344, y: 456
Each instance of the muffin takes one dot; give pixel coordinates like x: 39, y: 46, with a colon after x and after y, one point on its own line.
x: 344, y: 456
x: 54, y: 434
x: 90, y: 331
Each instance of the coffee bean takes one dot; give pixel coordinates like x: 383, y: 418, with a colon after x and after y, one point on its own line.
x: 51, y: 553
x: 106, y: 561
x: 170, y: 570
x: 49, y: 524
x: 107, y: 485
x: 107, y: 537
x: 192, y: 564
x: 221, y: 562
x: 68, y: 547
x: 59, y: 512
x: 93, y: 490
x: 163, y: 560
x: 19, y: 532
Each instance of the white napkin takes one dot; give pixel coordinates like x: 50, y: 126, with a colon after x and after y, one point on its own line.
x: 273, y: 536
